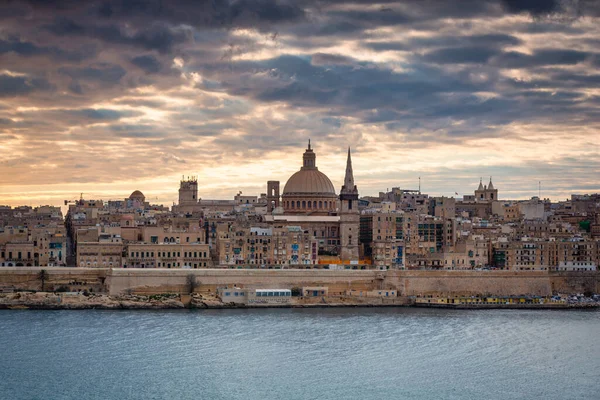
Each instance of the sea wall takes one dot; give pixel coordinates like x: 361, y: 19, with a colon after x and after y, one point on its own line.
x: 144, y: 281
x: 73, y: 279
x: 408, y: 283
x: 502, y: 283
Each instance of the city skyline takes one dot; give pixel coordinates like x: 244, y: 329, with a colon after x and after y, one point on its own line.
x: 106, y: 98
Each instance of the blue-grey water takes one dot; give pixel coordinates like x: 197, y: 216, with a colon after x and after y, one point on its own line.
x: 399, y: 353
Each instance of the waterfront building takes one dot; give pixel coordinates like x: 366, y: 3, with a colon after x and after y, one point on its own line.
x: 167, y: 255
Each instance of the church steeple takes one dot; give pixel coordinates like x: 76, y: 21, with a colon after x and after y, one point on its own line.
x: 349, y: 186
x: 490, y: 186
x: 480, y: 184
x: 349, y: 216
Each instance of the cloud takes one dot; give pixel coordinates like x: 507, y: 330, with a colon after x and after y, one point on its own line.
x: 148, y: 63
x: 533, y: 7
x: 541, y: 57
x: 331, y: 59
x: 104, y: 73
x: 136, y: 91
x: 460, y: 55
x: 29, y: 49
x: 11, y: 86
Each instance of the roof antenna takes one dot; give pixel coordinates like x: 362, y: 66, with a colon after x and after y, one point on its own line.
x: 308, y: 143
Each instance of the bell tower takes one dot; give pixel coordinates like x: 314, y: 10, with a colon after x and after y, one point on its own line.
x: 349, y: 215
x: 188, y: 191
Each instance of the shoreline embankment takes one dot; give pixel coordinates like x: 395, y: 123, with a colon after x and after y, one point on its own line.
x: 114, y: 288
x: 78, y: 301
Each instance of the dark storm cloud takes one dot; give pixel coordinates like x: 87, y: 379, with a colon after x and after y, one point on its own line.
x: 533, y: 7
x: 105, y: 73
x: 540, y: 58
x: 488, y: 42
x: 29, y: 49
x: 331, y: 59
x: 460, y: 55
x: 157, y: 36
x: 148, y: 63
x: 21, y: 85
x: 98, y: 114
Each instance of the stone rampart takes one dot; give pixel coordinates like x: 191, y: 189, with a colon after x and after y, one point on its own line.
x: 146, y: 281
x: 575, y: 282
x: 27, y: 278
x: 408, y: 283
x: 502, y: 283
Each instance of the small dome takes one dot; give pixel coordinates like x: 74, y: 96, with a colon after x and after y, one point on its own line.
x: 137, y: 195
x: 309, y: 181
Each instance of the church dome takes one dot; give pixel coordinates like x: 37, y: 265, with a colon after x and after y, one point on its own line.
x: 137, y: 195
x: 309, y: 190
x: 309, y: 181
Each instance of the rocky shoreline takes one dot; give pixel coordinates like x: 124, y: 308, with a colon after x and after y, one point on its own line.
x: 79, y: 301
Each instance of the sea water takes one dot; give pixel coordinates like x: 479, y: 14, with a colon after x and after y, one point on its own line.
x: 349, y: 353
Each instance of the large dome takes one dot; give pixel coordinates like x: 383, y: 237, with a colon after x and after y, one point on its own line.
x: 309, y: 191
x: 309, y: 181
x: 137, y: 195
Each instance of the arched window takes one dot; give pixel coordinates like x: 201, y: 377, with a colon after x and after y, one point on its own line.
x: 314, y: 204
x: 293, y: 204
x: 166, y: 240
x: 320, y: 204
x: 303, y: 204
x: 298, y: 204
x: 309, y: 204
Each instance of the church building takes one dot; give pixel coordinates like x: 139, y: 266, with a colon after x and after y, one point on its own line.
x: 309, y: 200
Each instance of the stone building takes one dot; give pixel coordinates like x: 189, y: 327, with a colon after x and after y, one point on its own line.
x: 309, y: 201
x: 265, y: 246
x: 105, y: 254
x: 167, y: 255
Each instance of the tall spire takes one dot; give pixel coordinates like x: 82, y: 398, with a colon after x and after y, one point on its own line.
x: 308, y: 144
x: 480, y: 184
x: 349, y: 187
x: 490, y: 186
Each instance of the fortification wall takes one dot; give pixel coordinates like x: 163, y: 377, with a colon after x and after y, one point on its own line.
x: 502, y: 283
x: 575, y: 282
x: 144, y: 281
x: 408, y: 283
x: 27, y: 278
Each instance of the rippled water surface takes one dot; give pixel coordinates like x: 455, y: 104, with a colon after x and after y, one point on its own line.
x: 399, y: 353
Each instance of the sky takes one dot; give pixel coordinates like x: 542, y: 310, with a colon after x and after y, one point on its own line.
x: 106, y: 97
